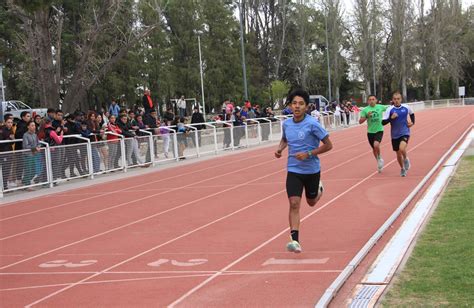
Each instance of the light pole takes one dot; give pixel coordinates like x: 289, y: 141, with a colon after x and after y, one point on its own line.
x: 244, y: 70
x: 1, y: 83
x: 327, y: 56
x: 202, y: 78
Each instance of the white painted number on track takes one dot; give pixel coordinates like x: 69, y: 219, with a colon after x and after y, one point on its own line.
x: 190, y: 262
x: 66, y: 263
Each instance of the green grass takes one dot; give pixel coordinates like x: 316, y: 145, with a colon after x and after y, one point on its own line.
x: 440, y: 271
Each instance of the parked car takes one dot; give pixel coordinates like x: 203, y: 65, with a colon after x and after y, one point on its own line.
x: 319, y: 101
x: 17, y: 107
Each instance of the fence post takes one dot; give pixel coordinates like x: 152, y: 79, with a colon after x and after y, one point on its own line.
x: 49, y: 167
x: 232, y: 136
x: 175, y: 145
x: 246, y: 134
x: 89, y: 157
x: 151, y: 146
x: 123, y: 154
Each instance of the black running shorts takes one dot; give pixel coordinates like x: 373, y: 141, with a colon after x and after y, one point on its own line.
x: 374, y: 137
x: 396, y: 142
x: 295, y: 182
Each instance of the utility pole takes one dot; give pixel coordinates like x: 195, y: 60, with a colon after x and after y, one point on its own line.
x: 244, y: 69
x: 202, y: 78
x: 327, y: 56
x: 1, y: 83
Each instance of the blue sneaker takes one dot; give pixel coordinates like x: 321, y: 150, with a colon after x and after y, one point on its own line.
x: 406, y: 164
x: 403, y: 173
x: 293, y: 246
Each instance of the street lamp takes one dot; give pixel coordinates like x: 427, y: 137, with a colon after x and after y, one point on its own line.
x: 244, y: 69
x: 199, y: 32
x: 1, y: 83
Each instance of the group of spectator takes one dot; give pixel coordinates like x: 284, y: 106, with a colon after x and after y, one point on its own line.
x: 103, y: 129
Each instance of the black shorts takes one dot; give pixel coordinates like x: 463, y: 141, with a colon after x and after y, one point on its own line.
x: 396, y: 142
x: 374, y: 137
x: 295, y: 183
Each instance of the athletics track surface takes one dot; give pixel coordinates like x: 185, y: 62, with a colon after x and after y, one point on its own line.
x: 212, y: 233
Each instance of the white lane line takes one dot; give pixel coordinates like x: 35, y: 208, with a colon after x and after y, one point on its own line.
x: 230, y: 273
x: 204, y: 226
x: 128, y: 188
x: 143, y: 219
x: 130, y: 202
x: 156, y: 247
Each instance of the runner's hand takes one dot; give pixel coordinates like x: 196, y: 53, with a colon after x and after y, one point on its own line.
x: 369, y: 114
x: 302, y: 155
x: 278, y: 153
x: 394, y: 116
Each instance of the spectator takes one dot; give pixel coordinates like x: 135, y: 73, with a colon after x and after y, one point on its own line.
x: 182, y: 132
x: 51, y: 114
x: 6, y: 148
x: 197, y: 117
x: 21, y: 129
x: 114, y: 109
x: 38, y: 122
x: 32, y: 157
x: 74, y: 158
x: 54, y: 137
x: 115, y: 151
x: 94, y: 135
x: 169, y: 115
x: 131, y: 143
x: 148, y: 102
x: 181, y: 106
x: 102, y: 146
x: 239, y: 129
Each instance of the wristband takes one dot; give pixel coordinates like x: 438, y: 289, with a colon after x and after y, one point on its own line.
x: 310, y: 154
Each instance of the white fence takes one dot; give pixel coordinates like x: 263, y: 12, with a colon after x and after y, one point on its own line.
x: 81, y: 158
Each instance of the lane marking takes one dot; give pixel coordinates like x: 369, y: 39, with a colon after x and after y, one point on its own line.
x: 66, y: 263
x: 233, y: 273
x: 119, y: 190
x: 274, y: 261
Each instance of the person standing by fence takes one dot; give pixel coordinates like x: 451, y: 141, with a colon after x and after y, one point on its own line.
x: 32, y: 157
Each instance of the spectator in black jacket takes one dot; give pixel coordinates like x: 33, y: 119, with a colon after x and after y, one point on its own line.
x: 6, y: 133
x: 197, y: 117
x: 148, y: 102
x: 131, y: 143
x: 21, y: 129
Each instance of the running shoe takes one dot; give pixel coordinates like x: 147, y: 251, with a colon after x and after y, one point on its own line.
x: 403, y: 173
x: 320, y: 190
x: 406, y: 164
x: 293, y: 246
x: 380, y: 163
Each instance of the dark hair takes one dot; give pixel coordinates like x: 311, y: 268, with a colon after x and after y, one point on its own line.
x: 397, y: 92
x: 298, y: 92
x: 371, y: 95
x: 50, y: 110
x: 59, y: 111
x: 28, y: 124
x: 7, y: 116
x: 23, y: 113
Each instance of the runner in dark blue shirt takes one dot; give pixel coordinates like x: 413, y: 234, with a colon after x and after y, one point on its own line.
x: 397, y: 115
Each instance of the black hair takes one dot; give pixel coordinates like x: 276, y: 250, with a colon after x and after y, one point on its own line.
x: 7, y: 116
x: 59, y: 111
x: 371, y: 95
x: 298, y: 92
x: 50, y: 110
x: 23, y: 113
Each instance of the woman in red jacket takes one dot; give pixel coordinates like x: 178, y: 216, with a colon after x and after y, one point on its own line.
x: 114, y: 145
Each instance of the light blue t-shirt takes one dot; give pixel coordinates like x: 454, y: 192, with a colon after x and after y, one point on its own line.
x: 399, y: 126
x: 303, y: 136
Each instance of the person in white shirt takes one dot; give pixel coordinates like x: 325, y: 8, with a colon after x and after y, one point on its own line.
x: 182, y: 106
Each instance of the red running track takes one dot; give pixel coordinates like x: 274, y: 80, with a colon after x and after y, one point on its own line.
x: 212, y: 233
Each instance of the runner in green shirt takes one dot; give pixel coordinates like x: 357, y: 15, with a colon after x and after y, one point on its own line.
x: 373, y: 114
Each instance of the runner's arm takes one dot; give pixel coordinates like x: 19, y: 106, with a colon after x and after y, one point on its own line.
x: 283, y: 144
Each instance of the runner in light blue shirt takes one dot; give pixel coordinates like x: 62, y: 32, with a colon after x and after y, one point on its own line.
x: 303, y: 135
